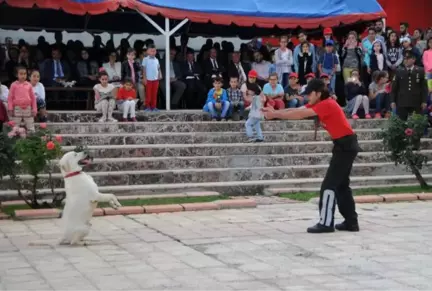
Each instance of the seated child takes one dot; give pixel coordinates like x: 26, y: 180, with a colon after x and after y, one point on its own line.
x: 378, y: 96
x: 326, y: 79
x: 355, y: 95
x: 274, y: 92
x: 235, y: 97
x: 293, y: 99
x: 308, y: 77
x: 126, y: 100
x: 105, y: 96
x: 217, y: 103
x: 255, y: 115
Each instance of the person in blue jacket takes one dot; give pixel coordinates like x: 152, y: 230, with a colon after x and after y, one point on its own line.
x: 217, y: 103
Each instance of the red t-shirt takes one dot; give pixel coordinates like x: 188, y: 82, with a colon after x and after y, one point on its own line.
x: 124, y: 94
x: 332, y: 118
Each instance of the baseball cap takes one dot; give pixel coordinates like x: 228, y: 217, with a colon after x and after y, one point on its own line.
x: 310, y: 75
x: 322, y: 76
x: 329, y: 42
x: 316, y: 85
x: 252, y: 74
x: 404, y: 39
x: 293, y: 75
x: 327, y: 31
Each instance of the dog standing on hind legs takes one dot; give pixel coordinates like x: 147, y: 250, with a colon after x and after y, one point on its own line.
x: 82, y: 197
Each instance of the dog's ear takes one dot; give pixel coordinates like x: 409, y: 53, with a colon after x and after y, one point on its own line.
x: 65, y: 165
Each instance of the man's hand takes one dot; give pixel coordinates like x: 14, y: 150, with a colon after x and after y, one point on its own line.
x: 271, y: 114
x: 300, y: 98
x: 423, y: 106
x: 267, y: 109
x: 393, y: 105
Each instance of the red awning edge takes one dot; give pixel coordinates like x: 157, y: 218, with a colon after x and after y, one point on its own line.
x: 200, y: 17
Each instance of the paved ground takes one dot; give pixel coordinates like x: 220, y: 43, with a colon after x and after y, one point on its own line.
x: 254, y: 249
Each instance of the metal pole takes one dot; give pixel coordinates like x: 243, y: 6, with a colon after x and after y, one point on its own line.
x: 155, y: 25
x: 167, y: 65
x: 178, y: 26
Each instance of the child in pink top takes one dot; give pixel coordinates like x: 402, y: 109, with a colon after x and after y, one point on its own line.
x: 427, y: 60
x: 22, y: 101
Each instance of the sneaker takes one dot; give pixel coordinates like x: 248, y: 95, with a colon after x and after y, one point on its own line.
x: 259, y: 140
x: 102, y: 120
x: 251, y: 139
x: 134, y: 119
x: 355, y: 116
x: 377, y: 115
x: 319, y: 228
x: 155, y: 110
x: 147, y: 110
x: 112, y: 120
x: 345, y: 226
x: 368, y: 116
x: 214, y: 119
x: 223, y: 119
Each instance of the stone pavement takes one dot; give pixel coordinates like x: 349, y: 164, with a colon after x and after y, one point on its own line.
x: 250, y: 249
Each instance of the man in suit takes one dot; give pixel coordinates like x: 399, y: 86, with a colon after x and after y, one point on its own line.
x: 212, y: 68
x: 195, y: 89
x: 177, y: 85
x: 238, y: 69
x: 56, y: 70
x: 409, y: 88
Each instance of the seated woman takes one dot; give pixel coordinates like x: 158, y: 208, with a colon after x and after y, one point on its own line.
x: 355, y: 93
x: 113, y: 69
x: 274, y: 93
x: 39, y: 91
x: 379, y: 98
x: 87, y: 70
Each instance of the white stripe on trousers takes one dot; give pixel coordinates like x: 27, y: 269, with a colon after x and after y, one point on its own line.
x: 328, y: 202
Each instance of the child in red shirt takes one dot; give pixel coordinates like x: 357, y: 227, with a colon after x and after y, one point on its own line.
x: 335, y: 187
x: 126, y: 100
x: 22, y: 101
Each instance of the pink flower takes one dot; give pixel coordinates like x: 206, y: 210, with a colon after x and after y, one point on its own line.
x: 11, y: 123
x: 43, y: 125
x: 21, y: 130
x: 58, y: 138
x: 50, y: 145
x: 11, y: 134
x: 409, y: 131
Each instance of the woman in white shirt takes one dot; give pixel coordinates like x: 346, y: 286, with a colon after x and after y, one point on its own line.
x: 39, y: 91
x: 113, y: 69
x: 4, y: 92
x: 283, y: 61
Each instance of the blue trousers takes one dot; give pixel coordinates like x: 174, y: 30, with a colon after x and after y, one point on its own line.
x: 224, y: 111
x: 332, y: 78
x: 251, y: 124
x: 295, y: 103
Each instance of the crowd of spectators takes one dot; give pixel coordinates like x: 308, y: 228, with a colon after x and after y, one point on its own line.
x: 356, y: 70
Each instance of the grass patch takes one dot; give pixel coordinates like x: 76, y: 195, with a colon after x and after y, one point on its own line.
x: 306, y: 196
x: 10, y: 209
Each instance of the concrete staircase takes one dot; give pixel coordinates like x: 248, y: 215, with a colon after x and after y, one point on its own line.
x: 184, y: 152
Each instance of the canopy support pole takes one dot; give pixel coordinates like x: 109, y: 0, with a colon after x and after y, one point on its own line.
x: 167, y: 33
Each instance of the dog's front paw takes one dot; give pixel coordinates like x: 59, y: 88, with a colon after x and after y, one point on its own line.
x: 115, y: 204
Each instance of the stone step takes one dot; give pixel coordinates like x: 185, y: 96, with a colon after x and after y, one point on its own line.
x: 202, y: 126
x: 237, y: 161
x: 93, y: 116
x: 202, y: 137
x: 183, y: 150
x: 236, y: 187
x: 138, y: 177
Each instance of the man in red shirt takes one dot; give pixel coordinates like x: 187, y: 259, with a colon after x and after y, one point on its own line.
x: 335, y: 187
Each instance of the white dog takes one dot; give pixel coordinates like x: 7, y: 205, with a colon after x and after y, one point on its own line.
x: 82, y: 197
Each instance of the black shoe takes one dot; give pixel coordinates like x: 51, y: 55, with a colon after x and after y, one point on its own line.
x: 345, y: 226
x: 319, y: 228
x: 259, y: 140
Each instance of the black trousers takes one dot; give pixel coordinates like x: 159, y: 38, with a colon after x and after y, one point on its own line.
x: 404, y: 112
x: 335, y: 188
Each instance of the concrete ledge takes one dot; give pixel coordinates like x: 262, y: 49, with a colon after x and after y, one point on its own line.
x: 368, y: 199
x: 98, y: 212
x: 4, y: 216
x: 163, y: 208
x: 424, y: 196
x: 399, y: 197
x: 125, y: 210
x: 37, y: 213
x: 200, y: 206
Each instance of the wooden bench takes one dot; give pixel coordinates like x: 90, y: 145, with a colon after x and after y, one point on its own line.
x: 69, y: 95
